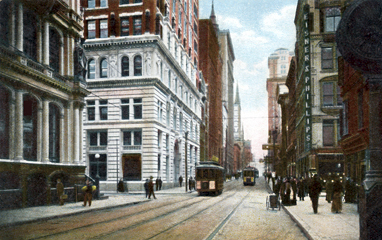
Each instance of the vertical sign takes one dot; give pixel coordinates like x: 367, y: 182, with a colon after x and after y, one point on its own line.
x: 307, y: 80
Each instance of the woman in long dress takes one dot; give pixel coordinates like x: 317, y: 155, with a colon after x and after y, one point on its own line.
x: 337, y: 197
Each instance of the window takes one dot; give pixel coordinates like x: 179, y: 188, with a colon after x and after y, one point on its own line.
x: 137, y: 25
x: 137, y: 108
x: 327, y: 58
x: 339, y: 98
x: 98, y: 166
x: 91, y: 3
x: 91, y: 110
x: 328, y: 133
x: 360, y: 109
x: 54, y: 133
x: 328, y: 95
x: 174, y: 119
x: 97, y: 138
x: 195, y: 11
x: 125, y: 66
x: 103, y: 29
x: 91, y: 29
x: 30, y: 34
x: 54, y: 49
x: 103, y: 68
x: 332, y: 18
x: 125, y: 108
x: 132, y: 137
x: 345, y: 114
x: 103, y: 3
x: 91, y: 69
x: 121, y: 2
x: 103, y: 109
x: 168, y: 114
x: 125, y: 27
x: 138, y: 66
x: 169, y: 79
x: 137, y: 1
x: 160, y: 111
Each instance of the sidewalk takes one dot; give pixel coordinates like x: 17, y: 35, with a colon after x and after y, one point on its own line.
x: 325, y: 224
x: 32, y: 214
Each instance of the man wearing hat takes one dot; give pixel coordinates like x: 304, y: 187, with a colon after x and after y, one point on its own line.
x: 151, y: 187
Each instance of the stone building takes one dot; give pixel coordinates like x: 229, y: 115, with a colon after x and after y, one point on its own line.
x: 145, y: 91
x: 42, y: 93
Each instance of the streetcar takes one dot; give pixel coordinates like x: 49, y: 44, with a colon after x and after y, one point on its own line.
x: 249, y: 175
x: 209, y: 178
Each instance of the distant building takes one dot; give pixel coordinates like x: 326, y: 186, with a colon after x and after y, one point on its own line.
x: 42, y: 94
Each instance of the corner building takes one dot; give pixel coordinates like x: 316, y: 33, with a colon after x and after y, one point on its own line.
x: 318, y: 100
x: 42, y: 97
x: 145, y: 104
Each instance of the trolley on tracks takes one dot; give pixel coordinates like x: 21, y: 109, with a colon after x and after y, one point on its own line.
x: 273, y: 201
x: 209, y: 178
x: 249, y: 175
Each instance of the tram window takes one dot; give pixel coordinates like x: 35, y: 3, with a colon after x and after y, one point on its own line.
x: 212, y: 173
x: 199, y: 173
x: 205, y: 173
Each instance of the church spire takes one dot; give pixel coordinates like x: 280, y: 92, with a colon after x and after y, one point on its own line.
x: 213, y: 17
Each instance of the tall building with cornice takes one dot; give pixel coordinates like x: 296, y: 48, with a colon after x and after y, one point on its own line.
x: 42, y: 94
x: 143, y: 115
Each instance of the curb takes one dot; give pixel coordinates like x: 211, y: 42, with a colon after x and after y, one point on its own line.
x: 2, y: 226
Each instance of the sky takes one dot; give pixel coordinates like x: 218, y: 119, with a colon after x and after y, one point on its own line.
x: 257, y: 28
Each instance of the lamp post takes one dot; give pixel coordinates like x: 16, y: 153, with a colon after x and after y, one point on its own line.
x: 185, y: 164
x: 97, y: 156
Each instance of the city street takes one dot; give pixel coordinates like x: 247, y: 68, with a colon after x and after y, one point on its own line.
x: 239, y: 213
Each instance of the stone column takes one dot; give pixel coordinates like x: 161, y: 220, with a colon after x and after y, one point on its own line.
x: 62, y: 139
x: 45, y: 131
x: 20, y: 28
x: 19, y: 143
x: 371, y: 194
x: 12, y: 24
x: 46, y: 43
x: 39, y: 40
x: 76, y: 137
x: 69, y: 131
x: 39, y: 132
x: 12, y: 111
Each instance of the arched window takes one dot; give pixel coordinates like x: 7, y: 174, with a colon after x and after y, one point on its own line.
x: 174, y: 119
x: 54, y: 133
x: 91, y: 69
x: 30, y: 34
x: 138, y: 66
x: 103, y: 68
x: 125, y: 66
x: 54, y: 49
x: 30, y: 127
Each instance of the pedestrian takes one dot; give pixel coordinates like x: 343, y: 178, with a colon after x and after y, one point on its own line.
x: 301, y: 188
x: 287, y: 192
x: 60, y: 191
x: 88, y: 189
x: 329, y: 190
x: 151, y: 188
x: 350, y: 191
x: 157, y: 184
x: 121, y: 188
x: 282, y: 190
x: 276, y: 190
x: 337, y: 197
x: 293, y: 184
x: 146, y: 186
x: 180, y: 181
x: 314, y: 192
x: 160, y: 183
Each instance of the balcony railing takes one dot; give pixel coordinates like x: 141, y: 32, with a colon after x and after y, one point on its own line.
x: 132, y: 148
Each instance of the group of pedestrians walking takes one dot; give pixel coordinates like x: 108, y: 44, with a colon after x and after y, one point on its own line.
x: 290, y: 187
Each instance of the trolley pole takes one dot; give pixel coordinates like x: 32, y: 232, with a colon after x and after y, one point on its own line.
x: 185, y: 164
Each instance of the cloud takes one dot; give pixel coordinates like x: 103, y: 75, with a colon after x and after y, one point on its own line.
x: 280, y: 23
x: 228, y: 22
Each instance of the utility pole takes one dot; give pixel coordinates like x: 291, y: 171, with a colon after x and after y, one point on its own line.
x: 185, y: 164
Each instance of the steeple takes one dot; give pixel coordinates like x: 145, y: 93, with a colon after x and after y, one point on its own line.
x: 237, y: 97
x: 213, y: 17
